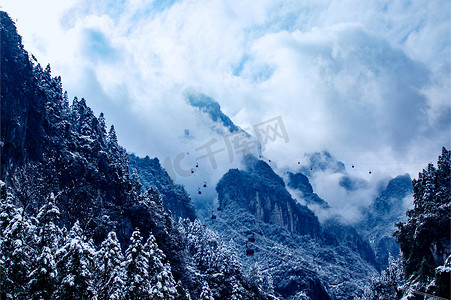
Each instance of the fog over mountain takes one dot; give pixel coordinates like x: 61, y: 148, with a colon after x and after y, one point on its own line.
x: 368, y: 82
x: 221, y: 150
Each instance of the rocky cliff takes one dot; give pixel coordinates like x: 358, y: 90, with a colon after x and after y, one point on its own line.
x: 263, y: 193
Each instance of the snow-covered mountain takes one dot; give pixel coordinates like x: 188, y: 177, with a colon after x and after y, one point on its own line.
x: 389, y: 208
x: 294, y: 251
x: 75, y: 224
x: 103, y: 223
x: 151, y: 174
x: 212, y: 108
x: 301, y: 183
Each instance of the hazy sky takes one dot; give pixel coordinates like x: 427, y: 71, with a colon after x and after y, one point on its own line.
x: 367, y: 80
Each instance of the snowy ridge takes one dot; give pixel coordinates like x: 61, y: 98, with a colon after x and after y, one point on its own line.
x: 318, y: 270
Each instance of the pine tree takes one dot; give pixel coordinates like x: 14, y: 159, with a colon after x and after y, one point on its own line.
x: 112, y: 144
x: 83, y: 117
x: 75, y: 264
x: 112, y: 139
x: 65, y: 103
x: 42, y: 278
x: 134, y: 179
x: 425, y: 237
x: 7, y: 213
x: 255, y: 278
x: 182, y: 294
x: 268, y: 284
x: 137, y: 285
x: 17, y: 253
x: 206, y: 293
x: 117, y: 153
x: 214, y: 259
x: 389, y: 286
x: 161, y: 279
x: 101, y: 129
x: 237, y: 291
x: 48, y: 218
x: 110, y: 271
x: 7, y: 207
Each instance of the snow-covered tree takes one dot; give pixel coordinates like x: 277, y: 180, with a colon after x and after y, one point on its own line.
x: 137, y: 284
x: 182, y: 293
x: 43, y: 276
x: 16, y: 255
x: 389, y: 285
x: 112, y: 144
x: 237, y: 291
x: 7, y: 207
x: 83, y: 117
x: 216, y: 260
x: 206, y: 293
x: 255, y: 277
x: 116, y: 152
x: 424, y: 238
x: 268, y: 283
x: 75, y: 265
x: 101, y: 128
x: 16, y: 249
x: 49, y: 234
x: 161, y: 279
x: 110, y: 270
x: 112, y: 139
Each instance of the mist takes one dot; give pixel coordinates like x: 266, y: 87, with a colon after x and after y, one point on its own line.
x: 368, y: 82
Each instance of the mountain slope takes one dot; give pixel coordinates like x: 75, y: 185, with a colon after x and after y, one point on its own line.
x: 262, y: 192
x: 301, y: 257
x: 300, y: 182
x: 50, y: 146
x: 67, y: 195
x: 151, y: 174
x: 212, y: 108
x: 424, y: 238
x: 378, y: 222
x: 298, y: 267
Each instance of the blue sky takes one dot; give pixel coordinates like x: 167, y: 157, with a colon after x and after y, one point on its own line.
x: 367, y: 80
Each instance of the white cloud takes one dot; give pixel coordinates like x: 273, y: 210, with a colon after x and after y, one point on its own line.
x: 368, y: 81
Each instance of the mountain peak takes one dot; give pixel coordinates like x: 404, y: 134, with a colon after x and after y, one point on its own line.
x: 322, y: 161
x: 262, y: 192
x: 300, y: 182
x: 212, y: 108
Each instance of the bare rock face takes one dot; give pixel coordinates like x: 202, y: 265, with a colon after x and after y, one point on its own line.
x: 263, y: 193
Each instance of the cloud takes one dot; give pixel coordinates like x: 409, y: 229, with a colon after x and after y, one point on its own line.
x: 341, y: 88
x: 368, y: 81
x: 345, y: 203
x: 97, y: 46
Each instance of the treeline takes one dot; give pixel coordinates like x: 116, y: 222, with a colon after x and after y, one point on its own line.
x: 424, y: 268
x: 41, y: 260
